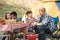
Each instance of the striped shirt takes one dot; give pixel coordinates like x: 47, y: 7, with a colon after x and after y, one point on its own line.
x: 30, y: 21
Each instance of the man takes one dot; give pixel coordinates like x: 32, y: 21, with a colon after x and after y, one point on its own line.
x: 14, y: 16
x: 42, y: 23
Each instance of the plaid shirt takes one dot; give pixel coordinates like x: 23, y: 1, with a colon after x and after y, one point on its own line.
x: 48, y: 21
x: 44, y: 20
x: 31, y: 20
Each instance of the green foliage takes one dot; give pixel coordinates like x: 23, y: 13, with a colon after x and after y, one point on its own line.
x: 5, y: 8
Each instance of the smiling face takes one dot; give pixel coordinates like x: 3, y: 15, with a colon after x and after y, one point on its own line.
x: 13, y: 17
x: 8, y: 16
x: 42, y: 11
x: 29, y: 15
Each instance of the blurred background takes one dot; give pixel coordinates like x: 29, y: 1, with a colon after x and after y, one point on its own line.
x: 21, y: 6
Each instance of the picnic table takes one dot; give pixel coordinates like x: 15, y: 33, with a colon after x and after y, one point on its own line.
x: 11, y: 27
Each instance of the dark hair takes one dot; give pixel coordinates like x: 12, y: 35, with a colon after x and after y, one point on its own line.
x: 28, y: 12
x: 13, y: 13
x: 6, y: 15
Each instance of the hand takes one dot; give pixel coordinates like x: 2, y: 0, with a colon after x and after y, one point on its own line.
x: 38, y: 24
x: 33, y: 24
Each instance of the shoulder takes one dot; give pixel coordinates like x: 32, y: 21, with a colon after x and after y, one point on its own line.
x: 47, y: 15
x: 19, y: 19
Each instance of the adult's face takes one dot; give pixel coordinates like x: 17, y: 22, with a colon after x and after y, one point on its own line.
x: 8, y: 16
x: 42, y: 12
x: 13, y: 17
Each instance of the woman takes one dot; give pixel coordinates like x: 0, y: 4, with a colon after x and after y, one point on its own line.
x: 7, y: 17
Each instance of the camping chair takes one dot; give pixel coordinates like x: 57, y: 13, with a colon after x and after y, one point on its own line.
x: 50, y: 35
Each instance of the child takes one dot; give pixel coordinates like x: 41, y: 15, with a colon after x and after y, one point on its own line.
x: 29, y: 19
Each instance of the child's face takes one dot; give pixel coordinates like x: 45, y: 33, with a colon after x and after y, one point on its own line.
x: 29, y: 15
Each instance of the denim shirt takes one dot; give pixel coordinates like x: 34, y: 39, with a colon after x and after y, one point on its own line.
x: 43, y: 20
x: 47, y: 20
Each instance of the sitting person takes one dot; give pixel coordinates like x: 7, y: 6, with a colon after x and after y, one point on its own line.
x: 29, y: 19
x: 42, y: 24
x: 14, y: 16
x: 7, y: 17
x: 15, y: 19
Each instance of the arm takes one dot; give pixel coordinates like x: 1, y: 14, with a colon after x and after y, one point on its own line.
x: 44, y: 21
